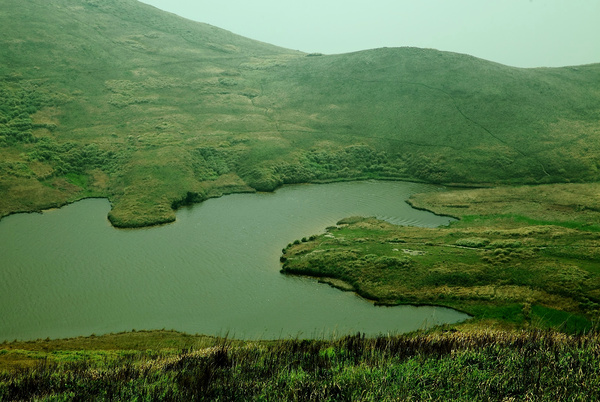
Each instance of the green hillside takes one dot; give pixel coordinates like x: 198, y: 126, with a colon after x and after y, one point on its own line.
x: 117, y: 99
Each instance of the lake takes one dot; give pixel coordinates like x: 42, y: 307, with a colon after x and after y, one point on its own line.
x: 215, y: 271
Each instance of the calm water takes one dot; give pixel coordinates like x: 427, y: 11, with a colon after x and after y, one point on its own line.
x: 215, y: 271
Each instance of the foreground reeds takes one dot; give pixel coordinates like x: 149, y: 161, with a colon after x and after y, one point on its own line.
x: 480, y: 365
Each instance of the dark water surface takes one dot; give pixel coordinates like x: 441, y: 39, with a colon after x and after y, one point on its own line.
x: 68, y: 272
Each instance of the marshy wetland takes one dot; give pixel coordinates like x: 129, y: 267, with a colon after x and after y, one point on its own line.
x: 524, y: 257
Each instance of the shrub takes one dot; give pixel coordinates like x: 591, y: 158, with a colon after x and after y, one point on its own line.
x: 474, y: 242
x: 506, y: 244
x: 385, y: 262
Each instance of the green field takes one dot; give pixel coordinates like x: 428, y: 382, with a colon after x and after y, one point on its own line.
x: 463, y: 366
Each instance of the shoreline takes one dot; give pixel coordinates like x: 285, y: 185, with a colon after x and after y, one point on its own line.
x: 219, y: 192
x: 344, y: 286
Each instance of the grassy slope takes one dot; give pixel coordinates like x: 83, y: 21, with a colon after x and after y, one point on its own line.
x: 118, y: 99
x: 148, y: 89
x: 527, y: 256
x: 451, y: 117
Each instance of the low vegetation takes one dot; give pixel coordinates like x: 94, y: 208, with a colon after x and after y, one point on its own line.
x: 573, y: 205
x: 484, y: 365
x: 117, y: 99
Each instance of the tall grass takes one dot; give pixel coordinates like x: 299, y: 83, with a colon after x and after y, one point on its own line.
x: 441, y: 366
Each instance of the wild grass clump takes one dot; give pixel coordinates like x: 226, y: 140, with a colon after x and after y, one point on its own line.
x: 474, y: 242
x: 505, y: 244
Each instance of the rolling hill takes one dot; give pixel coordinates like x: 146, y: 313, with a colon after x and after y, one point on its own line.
x: 117, y: 99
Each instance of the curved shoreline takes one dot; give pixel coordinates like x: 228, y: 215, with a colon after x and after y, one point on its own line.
x: 412, y: 205
x: 345, y: 286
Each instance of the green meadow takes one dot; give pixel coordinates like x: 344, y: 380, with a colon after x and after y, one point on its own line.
x: 462, y: 366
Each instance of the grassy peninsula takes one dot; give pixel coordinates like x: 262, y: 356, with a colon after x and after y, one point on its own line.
x: 525, y: 257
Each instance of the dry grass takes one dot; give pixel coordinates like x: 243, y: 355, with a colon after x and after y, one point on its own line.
x: 21, y: 354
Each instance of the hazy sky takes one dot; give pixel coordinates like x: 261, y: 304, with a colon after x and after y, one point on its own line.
x: 523, y: 33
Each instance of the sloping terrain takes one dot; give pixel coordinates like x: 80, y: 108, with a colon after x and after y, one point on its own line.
x: 118, y: 99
